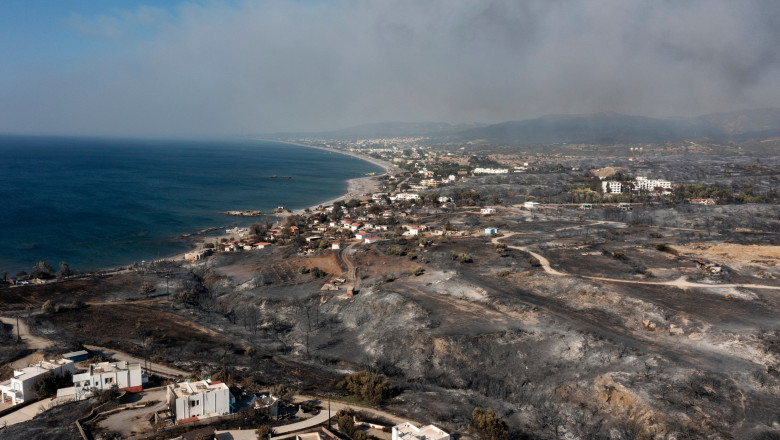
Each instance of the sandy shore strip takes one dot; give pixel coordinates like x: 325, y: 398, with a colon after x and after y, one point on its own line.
x: 358, y: 187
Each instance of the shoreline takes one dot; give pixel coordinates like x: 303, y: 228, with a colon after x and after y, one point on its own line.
x: 356, y: 188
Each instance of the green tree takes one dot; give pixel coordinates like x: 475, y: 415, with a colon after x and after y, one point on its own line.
x: 45, y: 386
x: 487, y: 425
x: 371, y: 387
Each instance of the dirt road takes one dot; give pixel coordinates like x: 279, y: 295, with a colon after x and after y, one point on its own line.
x: 36, y: 343
x: 680, y: 283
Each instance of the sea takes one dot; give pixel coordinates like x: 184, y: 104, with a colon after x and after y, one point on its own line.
x: 103, y: 203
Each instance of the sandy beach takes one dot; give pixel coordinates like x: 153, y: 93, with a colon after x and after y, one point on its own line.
x: 356, y: 188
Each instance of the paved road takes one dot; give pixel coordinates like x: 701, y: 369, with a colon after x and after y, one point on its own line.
x: 283, y: 432
x: 28, y: 412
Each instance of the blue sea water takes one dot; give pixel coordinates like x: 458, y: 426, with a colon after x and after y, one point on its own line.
x: 98, y: 203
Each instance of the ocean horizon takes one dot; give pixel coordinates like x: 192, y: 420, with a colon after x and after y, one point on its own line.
x: 100, y: 203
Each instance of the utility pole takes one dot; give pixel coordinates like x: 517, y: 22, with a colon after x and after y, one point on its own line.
x: 18, y: 336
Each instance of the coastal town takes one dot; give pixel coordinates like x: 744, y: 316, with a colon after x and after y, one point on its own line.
x: 278, y: 327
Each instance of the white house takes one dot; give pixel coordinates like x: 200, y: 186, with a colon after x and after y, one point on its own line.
x: 406, y: 196
x: 335, y: 246
x: 611, y: 187
x: 531, y: 205
x: 407, y: 431
x: 487, y: 211
x: 370, y: 240
x: 189, y: 400
x: 20, y: 387
x: 491, y: 231
x: 262, y: 245
x: 105, y: 375
x: 362, y: 235
x: 490, y: 171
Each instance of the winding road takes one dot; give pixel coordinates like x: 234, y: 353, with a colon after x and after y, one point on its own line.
x: 681, y: 283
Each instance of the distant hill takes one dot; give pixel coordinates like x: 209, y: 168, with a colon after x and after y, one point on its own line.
x: 385, y: 130
x: 596, y: 128
x: 616, y: 127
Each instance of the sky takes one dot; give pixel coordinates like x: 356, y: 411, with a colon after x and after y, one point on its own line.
x: 195, y: 68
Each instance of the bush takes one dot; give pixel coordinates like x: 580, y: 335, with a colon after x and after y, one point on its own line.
x: 317, y: 272
x: 395, y: 251
x: 500, y: 248
x: 619, y: 255
x: 262, y: 432
x: 48, y: 307
x: 366, y: 385
x: 533, y: 261
x: 461, y: 257
x: 147, y: 288
x: 282, y: 392
x: 418, y: 271
x: 663, y: 247
x: 505, y: 272
x: 487, y: 425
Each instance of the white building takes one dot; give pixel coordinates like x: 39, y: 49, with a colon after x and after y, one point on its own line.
x: 611, y: 187
x: 406, y: 196
x: 643, y: 183
x: 490, y: 171
x: 531, y: 205
x: 195, y: 399
x: 487, y: 211
x: 407, y: 431
x: 105, y: 375
x: 20, y: 387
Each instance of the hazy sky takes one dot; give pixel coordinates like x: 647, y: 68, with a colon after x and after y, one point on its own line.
x: 173, y: 68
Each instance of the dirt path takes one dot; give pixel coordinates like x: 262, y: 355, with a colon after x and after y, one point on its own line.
x: 36, y: 343
x: 680, y: 283
x: 352, y: 269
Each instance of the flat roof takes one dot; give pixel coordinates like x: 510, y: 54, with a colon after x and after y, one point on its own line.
x: 408, y: 431
x: 184, y: 389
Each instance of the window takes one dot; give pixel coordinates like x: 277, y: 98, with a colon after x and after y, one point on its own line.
x: 109, y: 380
x: 194, y: 403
